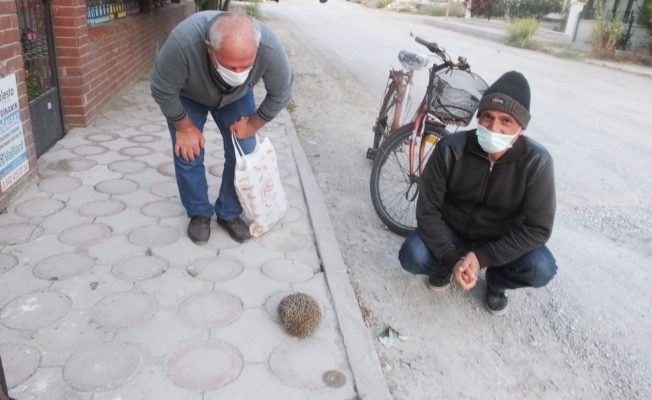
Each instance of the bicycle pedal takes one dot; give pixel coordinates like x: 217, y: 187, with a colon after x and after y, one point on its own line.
x: 371, y: 153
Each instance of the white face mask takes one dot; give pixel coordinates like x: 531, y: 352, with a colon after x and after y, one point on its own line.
x: 233, y: 78
x: 493, y: 142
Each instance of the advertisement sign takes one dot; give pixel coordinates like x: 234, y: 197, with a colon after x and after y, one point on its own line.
x: 13, y: 153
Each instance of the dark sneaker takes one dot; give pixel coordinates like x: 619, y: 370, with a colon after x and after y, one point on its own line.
x: 438, y: 283
x: 496, y: 302
x: 199, y: 229
x: 237, y: 229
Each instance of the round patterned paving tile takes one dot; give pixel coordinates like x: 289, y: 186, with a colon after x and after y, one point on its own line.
x: 289, y: 363
x: 167, y: 168
x: 116, y: 186
x: 292, y: 214
x: 139, y: 268
x: 214, y: 190
x: 143, y: 138
x: 219, y: 155
x: 36, y: 208
x: 102, y: 367
x: 292, y: 192
x: 62, y: 266
x: 19, y: 233
x: 73, y: 164
x: 211, y: 309
x: 287, y: 270
x: 216, y: 269
x: 271, y: 305
x: 204, y: 366
x: 128, y: 166
x: 19, y: 362
x: 85, y: 235
x: 136, y: 151
x: 285, y: 241
x: 163, y: 209
x: 285, y: 173
x: 89, y: 150
x: 102, y: 208
x: 110, y: 126
x: 7, y: 262
x: 35, y: 310
x: 169, y: 153
x: 153, y: 235
x: 59, y: 184
x: 166, y: 189
x: 101, y: 137
x: 216, y: 170
x: 123, y: 310
x: 151, y: 128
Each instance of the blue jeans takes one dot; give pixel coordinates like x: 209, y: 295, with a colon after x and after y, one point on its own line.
x: 191, y: 175
x: 534, y: 269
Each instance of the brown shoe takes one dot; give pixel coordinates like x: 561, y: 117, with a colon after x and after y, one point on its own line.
x: 237, y: 229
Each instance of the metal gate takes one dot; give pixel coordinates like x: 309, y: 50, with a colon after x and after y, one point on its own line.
x: 35, y: 23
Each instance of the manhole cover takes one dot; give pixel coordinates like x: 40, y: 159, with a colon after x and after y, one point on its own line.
x: 334, y: 379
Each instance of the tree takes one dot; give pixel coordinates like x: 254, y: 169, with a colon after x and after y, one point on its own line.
x: 486, y: 8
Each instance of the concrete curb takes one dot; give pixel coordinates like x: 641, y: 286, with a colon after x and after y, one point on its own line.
x: 369, y: 379
x: 496, y: 37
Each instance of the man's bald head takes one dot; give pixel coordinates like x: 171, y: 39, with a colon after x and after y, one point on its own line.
x: 240, y: 29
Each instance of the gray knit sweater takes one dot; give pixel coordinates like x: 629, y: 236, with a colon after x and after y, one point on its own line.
x: 183, y: 68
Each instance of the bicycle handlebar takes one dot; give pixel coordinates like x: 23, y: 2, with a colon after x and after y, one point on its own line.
x: 432, y: 46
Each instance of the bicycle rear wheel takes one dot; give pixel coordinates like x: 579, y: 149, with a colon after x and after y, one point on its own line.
x: 394, y: 189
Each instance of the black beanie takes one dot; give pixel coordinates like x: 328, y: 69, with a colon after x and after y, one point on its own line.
x: 509, y: 94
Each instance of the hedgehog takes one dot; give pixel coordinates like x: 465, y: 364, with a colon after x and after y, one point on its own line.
x: 300, y: 314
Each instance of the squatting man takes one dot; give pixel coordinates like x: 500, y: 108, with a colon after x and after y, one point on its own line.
x: 487, y: 200
x: 210, y: 63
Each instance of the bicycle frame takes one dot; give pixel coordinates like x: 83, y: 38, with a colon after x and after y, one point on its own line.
x: 403, y: 82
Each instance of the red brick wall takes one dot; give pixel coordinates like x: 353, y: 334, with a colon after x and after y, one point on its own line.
x: 11, y: 61
x: 97, y: 63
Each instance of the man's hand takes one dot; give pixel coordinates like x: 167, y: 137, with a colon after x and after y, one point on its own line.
x: 246, y: 127
x: 189, y: 140
x: 466, y: 271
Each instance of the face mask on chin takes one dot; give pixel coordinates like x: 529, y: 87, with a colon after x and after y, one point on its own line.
x: 232, y: 78
x: 493, y: 142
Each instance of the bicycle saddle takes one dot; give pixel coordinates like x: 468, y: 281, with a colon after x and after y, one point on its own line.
x: 413, y: 61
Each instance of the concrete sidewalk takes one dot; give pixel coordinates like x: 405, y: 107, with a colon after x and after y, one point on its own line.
x: 104, y: 297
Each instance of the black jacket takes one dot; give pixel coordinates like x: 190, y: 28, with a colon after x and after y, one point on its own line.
x: 509, y: 205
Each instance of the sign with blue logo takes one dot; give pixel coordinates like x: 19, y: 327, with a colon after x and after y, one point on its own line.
x: 14, y: 162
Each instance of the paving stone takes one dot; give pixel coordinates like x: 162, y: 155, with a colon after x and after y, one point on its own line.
x: 109, y: 125
x: 218, y: 155
x: 285, y: 240
x: 108, y: 157
x: 123, y: 310
x: 139, y: 268
x: 204, y: 366
x: 35, y: 310
x: 10, y: 290
x: 64, y: 219
x: 308, y: 255
x: 271, y: 305
x: 67, y: 165
x: 116, y: 186
x: 160, y: 336
x: 251, y: 253
x: 10, y: 217
x: 95, y: 175
x: 150, y: 383
x: 215, y: 269
x: 292, y: 214
x: 47, y: 384
x: 37, y: 208
x: 128, y: 166
x: 172, y: 287
x: 166, y: 168
x: 216, y: 169
x: 256, y: 383
x: 85, y: 235
x: 211, y: 309
x: 57, y: 153
x: 123, y: 223
x: 103, y: 367
x: 7, y: 262
x: 183, y: 253
x: 317, y: 288
x: 214, y: 191
x: 287, y: 270
x: 19, y: 233
x: 153, y: 235
x: 86, y: 290
x: 301, y: 364
x: 59, y: 184
x: 159, y: 156
x: 74, y: 141
x: 81, y: 196
x: 144, y: 138
x: 43, y: 247
x: 20, y: 362
x: 136, y: 151
x: 138, y: 198
x: 149, y: 178
x: 219, y: 239
x: 113, y: 249
x: 166, y: 189
x: 102, y: 208
x: 253, y: 287
x: 89, y: 150
x: 163, y: 209
x: 62, y: 266
x: 101, y: 137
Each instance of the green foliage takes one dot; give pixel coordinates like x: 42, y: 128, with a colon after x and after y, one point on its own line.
x: 33, y: 82
x: 645, y: 15
x: 533, y: 8
x: 406, y: 10
x: 383, y: 3
x: 200, y: 3
x: 253, y: 9
x: 433, y: 10
x: 606, y: 31
x: 521, y: 31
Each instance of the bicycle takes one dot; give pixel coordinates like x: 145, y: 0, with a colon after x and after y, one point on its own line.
x: 451, y: 98
x: 395, y: 100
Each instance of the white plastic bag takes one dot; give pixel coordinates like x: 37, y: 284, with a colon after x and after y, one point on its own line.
x: 258, y: 185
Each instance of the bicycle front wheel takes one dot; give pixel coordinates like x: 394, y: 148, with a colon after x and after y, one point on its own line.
x: 394, y: 187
